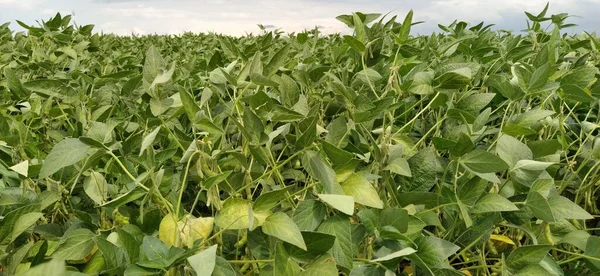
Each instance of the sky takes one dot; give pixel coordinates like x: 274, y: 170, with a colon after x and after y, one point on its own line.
x: 238, y: 17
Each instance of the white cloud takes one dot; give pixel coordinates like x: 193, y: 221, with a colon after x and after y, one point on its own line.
x: 238, y: 17
x: 20, y: 4
x: 145, y: 12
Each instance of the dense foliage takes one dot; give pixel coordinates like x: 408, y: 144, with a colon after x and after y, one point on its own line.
x: 469, y: 151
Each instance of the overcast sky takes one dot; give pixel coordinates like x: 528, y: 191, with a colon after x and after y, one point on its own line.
x: 237, y: 17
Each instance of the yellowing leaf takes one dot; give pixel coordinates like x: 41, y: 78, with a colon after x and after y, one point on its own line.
x: 168, y: 231
x: 502, y: 238
x: 466, y: 272
x: 194, y: 229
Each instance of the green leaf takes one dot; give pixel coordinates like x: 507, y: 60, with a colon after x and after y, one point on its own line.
x: 405, y: 27
x: 462, y: 146
x: 95, y: 187
x: 540, y: 206
x: 204, y: 262
x: 155, y: 253
x: 423, y: 167
x: 551, y: 266
x: 217, y: 76
x: 189, y: 104
x: 539, y: 78
x: 563, y: 208
x: 101, y: 132
x: 338, y: 156
x: 262, y: 80
x: 14, y: 260
x: 354, y: 43
x: 580, y: 76
x: 532, y: 117
x: 290, y: 93
x: 13, y: 83
x: 493, y: 203
x: 399, y: 166
x: 481, y: 161
x: 21, y: 168
x: 432, y: 251
x: 578, y: 238
x: 471, y: 191
x: 369, y: 270
x: 396, y: 217
x: 129, y: 244
x: 276, y: 61
x: 75, y: 245
x: 368, y: 76
x: 253, y: 124
x: 482, y: 119
x: 512, y: 150
x: 592, y: 248
x: 66, y: 153
x: 135, y: 270
x: 159, y: 106
x: 223, y: 268
x: 309, y: 214
x: 400, y: 253
x: 317, y: 168
x: 284, y: 265
x: 337, y: 132
x: 282, y: 114
x: 422, y: 83
x: 7, y: 228
x: 359, y: 28
x: 309, y: 135
x: 163, y: 77
x: 455, y: 75
x: 125, y: 198
x: 49, y: 88
x: 532, y: 270
x: 316, y: 244
x: 464, y: 213
x: 205, y: 124
x: 573, y: 93
x: 517, y: 130
x: 343, y: 247
x: 149, y: 140
x: 281, y: 226
x: 23, y: 223
x: 475, y: 102
x: 325, y: 265
x: 114, y: 256
x: 342, y: 203
x: 153, y: 65
x: 56, y: 266
x: 527, y: 171
x: 526, y: 255
x: 362, y: 191
x: 266, y: 201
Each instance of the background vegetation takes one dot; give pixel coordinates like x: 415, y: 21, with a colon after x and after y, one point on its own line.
x: 469, y: 151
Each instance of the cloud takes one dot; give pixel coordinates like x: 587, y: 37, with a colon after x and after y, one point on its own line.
x: 20, y: 4
x: 237, y: 17
x: 119, y: 1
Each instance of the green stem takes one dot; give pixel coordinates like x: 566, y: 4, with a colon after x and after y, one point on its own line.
x: 128, y: 173
x: 418, y: 115
x: 184, y: 183
x: 250, y: 261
